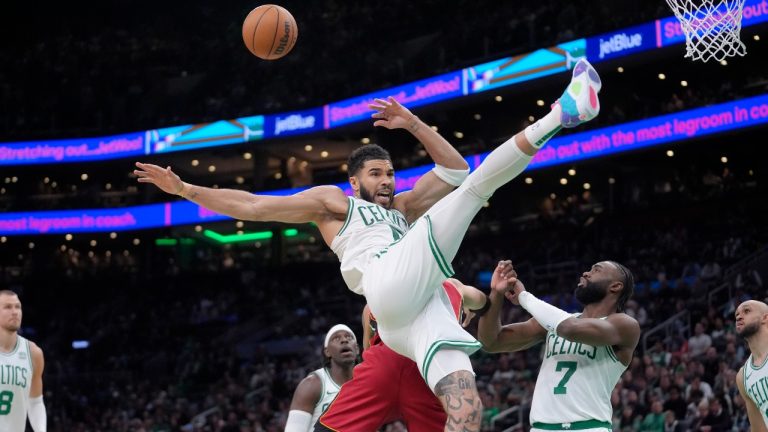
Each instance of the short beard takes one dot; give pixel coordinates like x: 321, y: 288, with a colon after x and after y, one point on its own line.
x: 365, y: 195
x: 591, y: 292
x: 749, y: 330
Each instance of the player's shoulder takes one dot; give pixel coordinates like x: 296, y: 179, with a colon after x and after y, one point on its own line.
x: 307, y: 393
x: 35, y: 351
x: 740, y: 380
x: 626, y: 324
x: 34, y: 347
x: 312, y: 383
x: 624, y: 318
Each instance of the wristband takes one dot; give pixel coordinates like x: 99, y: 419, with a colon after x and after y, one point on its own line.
x: 480, y: 312
x: 454, y: 177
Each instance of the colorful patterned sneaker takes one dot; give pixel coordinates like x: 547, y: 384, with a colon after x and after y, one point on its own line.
x: 579, y: 101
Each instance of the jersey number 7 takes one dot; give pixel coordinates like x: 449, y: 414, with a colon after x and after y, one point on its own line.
x: 570, y: 367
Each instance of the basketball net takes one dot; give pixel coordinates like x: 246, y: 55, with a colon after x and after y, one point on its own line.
x: 712, y: 28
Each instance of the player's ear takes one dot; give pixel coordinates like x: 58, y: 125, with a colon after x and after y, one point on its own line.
x: 326, y: 353
x: 355, y: 183
x: 616, y: 287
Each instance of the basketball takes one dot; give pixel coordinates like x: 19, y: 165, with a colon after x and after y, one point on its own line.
x: 270, y: 32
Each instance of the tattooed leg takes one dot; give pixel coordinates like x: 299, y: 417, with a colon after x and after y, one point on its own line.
x: 458, y: 394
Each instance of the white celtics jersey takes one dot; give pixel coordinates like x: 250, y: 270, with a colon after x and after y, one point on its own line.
x: 15, y: 382
x: 368, y: 229
x: 329, y: 391
x: 574, y: 383
x: 756, y: 386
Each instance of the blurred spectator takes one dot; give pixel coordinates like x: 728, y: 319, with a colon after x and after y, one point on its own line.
x: 654, y: 420
x: 675, y: 403
x: 700, y: 342
x: 717, y: 418
x: 699, y: 386
x: 671, y: 424
x: 696, y: 421
x: 710, y: 271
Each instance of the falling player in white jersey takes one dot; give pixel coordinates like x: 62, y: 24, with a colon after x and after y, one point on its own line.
x: 585, y: 354
x: 315, y: 393
x: 752, y: 379
x: 21, y: 372
x: 397, y: 249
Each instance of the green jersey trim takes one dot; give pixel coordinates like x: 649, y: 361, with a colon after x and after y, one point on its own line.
x: 611, y: 354
x: 468, y: 347
x: 445, y: 267
x: 15, y: 348
x: 752, y: 366
x: 579, y: 425
x: 349, y: 215
x: 29, y: 357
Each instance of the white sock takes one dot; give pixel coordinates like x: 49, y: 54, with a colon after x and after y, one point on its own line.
x: 545, y: 128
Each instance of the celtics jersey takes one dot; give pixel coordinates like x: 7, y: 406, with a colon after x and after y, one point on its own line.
x: 367, y: 230
x: 756, y: 386
x: 15, y: 382
x: 574, y: 383
x: 329, y: 391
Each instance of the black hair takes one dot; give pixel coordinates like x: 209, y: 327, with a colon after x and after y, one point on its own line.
x: 629, y: 287
x: 365, y: 153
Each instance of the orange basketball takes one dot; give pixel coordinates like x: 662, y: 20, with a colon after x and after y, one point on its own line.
x: 270, y: 32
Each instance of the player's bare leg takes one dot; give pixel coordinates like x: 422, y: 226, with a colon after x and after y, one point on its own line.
x: 458, y: 394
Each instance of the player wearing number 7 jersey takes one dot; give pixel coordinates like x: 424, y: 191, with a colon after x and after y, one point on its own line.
x: 585, y: 354
x: 21, y: 372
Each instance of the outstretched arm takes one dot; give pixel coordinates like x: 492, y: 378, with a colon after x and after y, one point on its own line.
x: 317, y: 204
x: 616, y: 330
x: 451, y: 167
x: 756, y: 422
x: 511, y: 337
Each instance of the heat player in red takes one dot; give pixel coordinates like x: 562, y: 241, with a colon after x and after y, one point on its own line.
x: 387, y: 386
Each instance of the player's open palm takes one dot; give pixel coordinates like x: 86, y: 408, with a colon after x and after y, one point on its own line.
x: 500, y: 280
x: 504, y: 281
x: 390, y: 114
x: 161, y: 177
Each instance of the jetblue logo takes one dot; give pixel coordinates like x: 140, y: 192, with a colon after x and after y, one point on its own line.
x: 294, y: 122
x: 620, y: 42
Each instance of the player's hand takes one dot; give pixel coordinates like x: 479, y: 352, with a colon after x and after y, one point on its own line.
x: 163, y: 178
x: 391, y: 115
x: 500, y: 280
x: 516, y: 287
x: 468, y: 315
